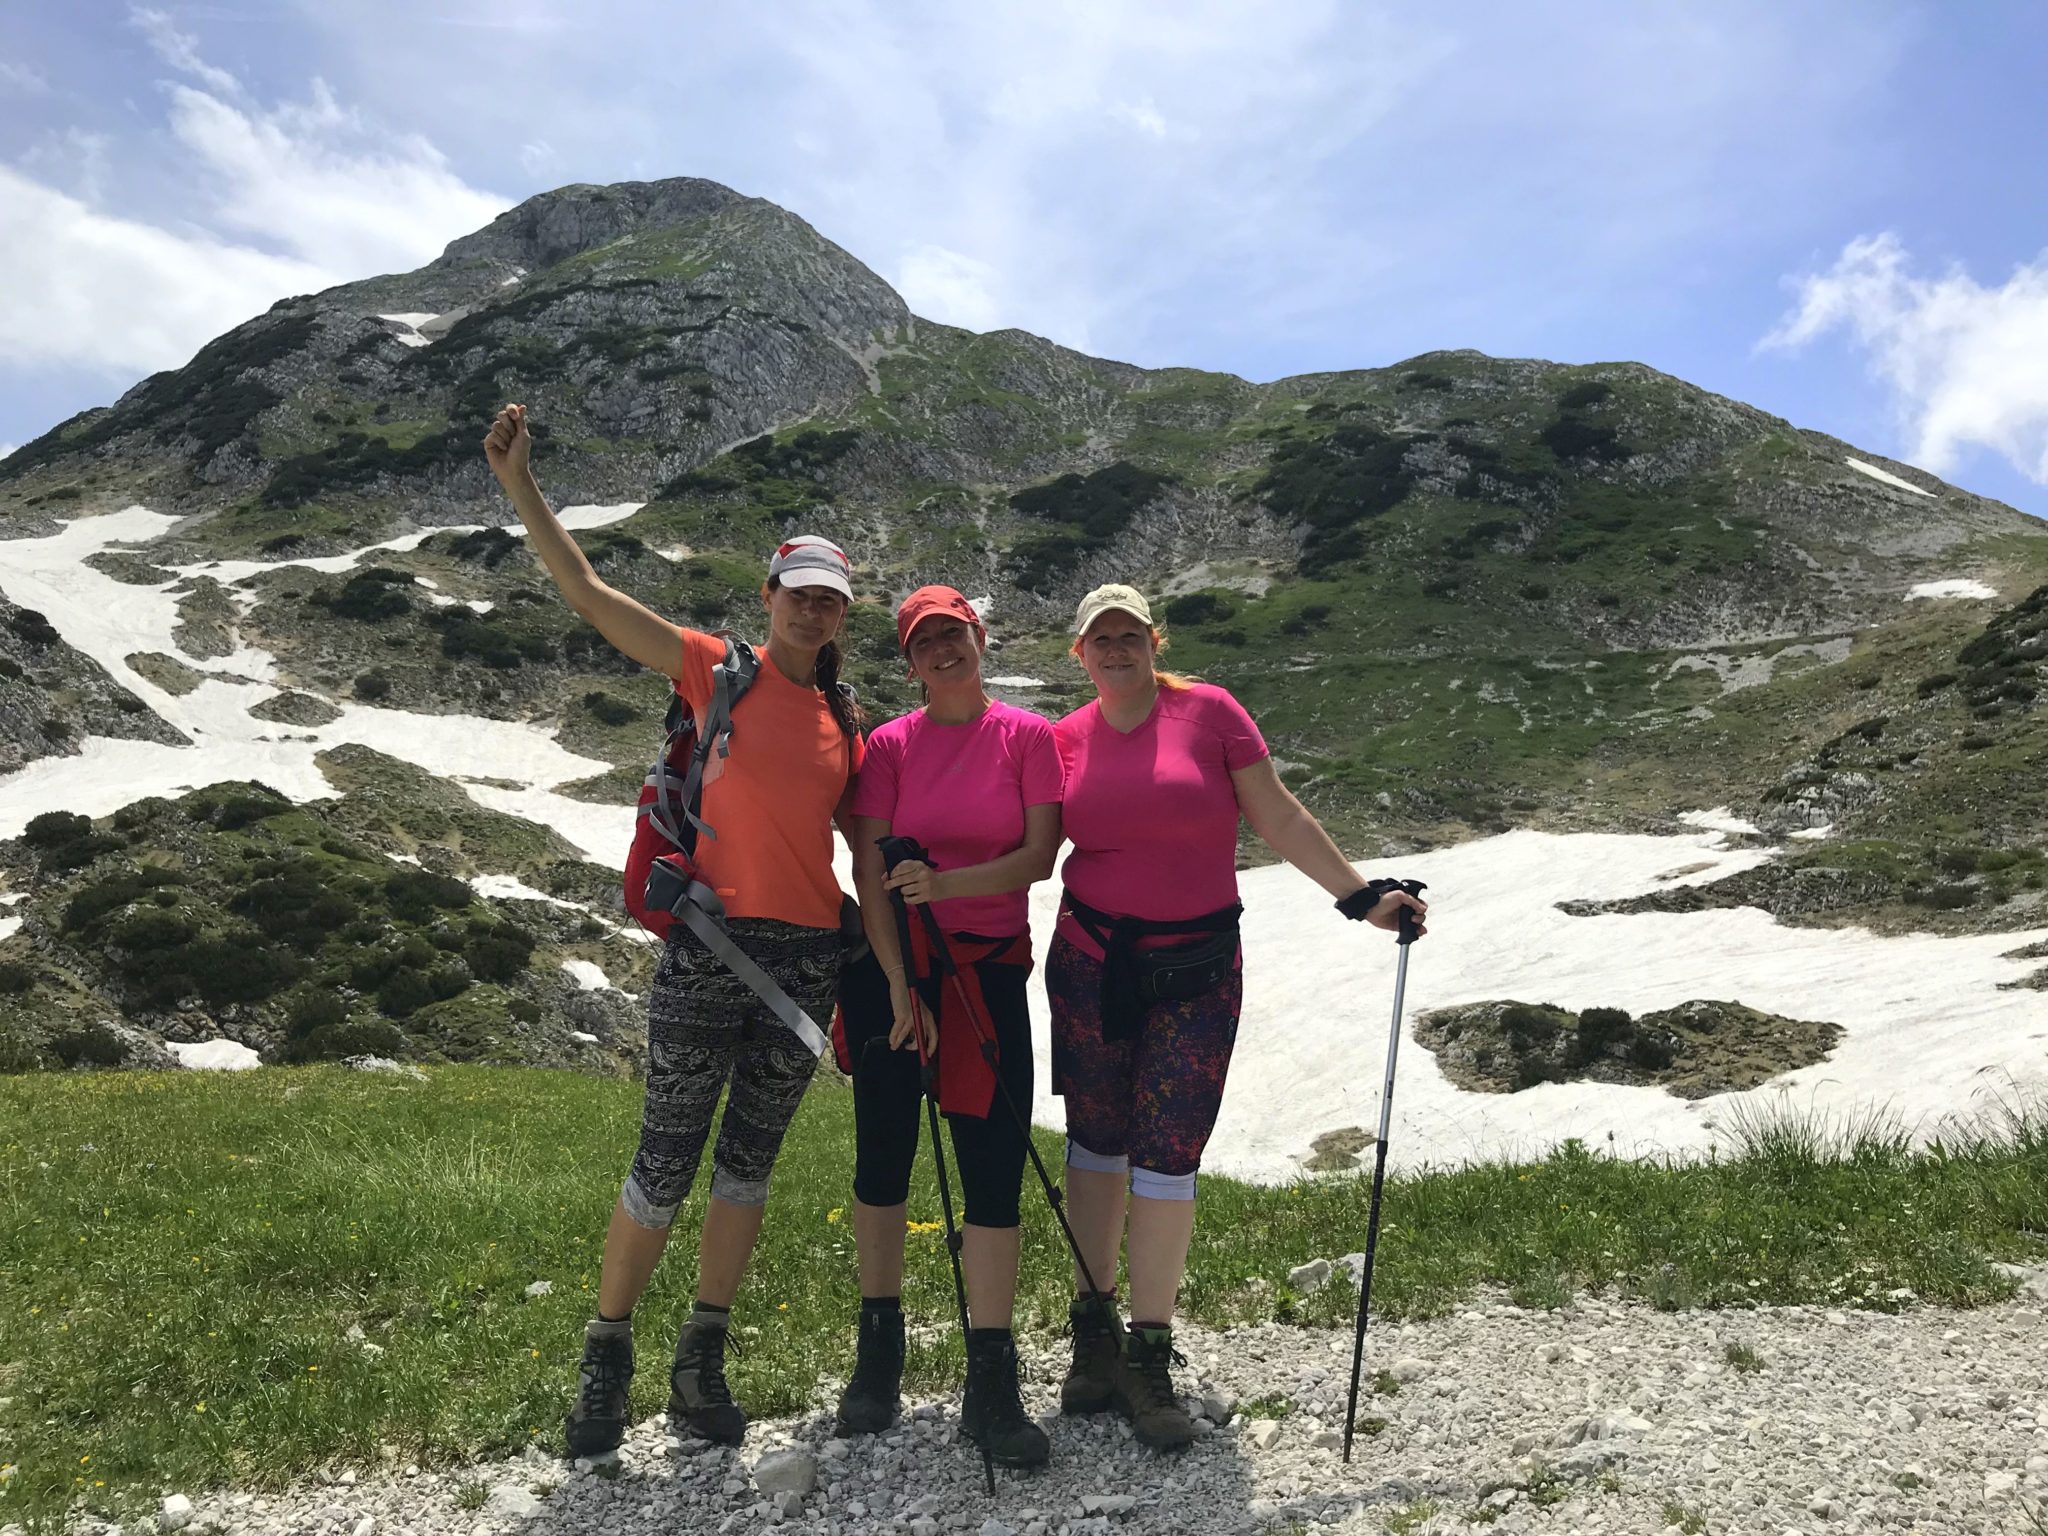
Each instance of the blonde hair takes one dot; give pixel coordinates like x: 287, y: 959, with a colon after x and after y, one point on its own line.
x: 1173, y: 681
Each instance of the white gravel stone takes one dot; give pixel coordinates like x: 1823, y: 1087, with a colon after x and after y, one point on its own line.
x: 175, y: 1513
x: 1264, y: 1433
x: 789, y: 1471
x: 510, y: 1501
x: 1312, y: 1276
x: 541, y: 1288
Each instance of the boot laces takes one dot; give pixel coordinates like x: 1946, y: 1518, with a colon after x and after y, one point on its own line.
x: 706, y: 1356
x: 604, y: 1373
x: 1152, y: 1364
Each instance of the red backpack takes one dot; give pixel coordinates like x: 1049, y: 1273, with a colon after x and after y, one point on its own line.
x: 666, y: 830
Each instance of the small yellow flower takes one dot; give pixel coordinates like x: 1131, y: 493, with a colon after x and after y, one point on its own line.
x: 85, y: 1458
x: 199, y: 1407
x: 834, y: 1214
x: 535, y: 1353
x: 780, y: 1306
x: 312, y: 1368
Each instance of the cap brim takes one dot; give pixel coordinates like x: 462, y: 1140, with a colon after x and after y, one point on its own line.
x: 1088, y: 622
x: 816, y: 578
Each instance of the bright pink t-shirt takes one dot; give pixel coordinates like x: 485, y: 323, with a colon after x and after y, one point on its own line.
x: 962, y: 790
x: 1152, y: 813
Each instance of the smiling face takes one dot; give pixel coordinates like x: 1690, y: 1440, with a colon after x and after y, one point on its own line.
x: 1118, y: 652
x: 945, y: 652
x: 805, y: 618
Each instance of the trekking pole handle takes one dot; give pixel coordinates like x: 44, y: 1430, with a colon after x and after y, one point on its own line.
x: 1408, y: 935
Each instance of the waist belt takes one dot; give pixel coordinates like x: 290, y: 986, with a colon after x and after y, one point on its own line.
x: 1126, y: 995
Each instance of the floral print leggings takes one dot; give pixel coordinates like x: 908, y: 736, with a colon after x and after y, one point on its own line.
x: 1153, y: 1098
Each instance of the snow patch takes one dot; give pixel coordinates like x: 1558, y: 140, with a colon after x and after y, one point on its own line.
x: 215, y: 1056
x: 575, y: 518
x: 1958, y: 586
x: 1814, y: 834
x: 1719, y: 819
x: 1886, y: 476
x: 590, y: 977
x: 1016, y: 682
x: 9, y: 926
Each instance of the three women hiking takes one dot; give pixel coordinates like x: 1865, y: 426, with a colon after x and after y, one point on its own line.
x: 1148, y: 781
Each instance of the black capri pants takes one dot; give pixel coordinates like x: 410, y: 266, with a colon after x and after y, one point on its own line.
x: 886, y: 1088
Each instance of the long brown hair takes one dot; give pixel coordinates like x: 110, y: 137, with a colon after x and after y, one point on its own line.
x: 847, y: 714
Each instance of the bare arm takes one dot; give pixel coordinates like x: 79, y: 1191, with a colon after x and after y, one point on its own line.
x: 1290, y: 831
x: 878, y: 920
x: 1016, y: 870
x: 1286, y: 826
x: 630, y: 626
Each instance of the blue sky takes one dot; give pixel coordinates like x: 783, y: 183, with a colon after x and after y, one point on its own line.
x: 1835, y: 211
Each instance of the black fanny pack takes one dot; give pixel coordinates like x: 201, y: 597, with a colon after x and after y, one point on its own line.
x: 1133, y: 979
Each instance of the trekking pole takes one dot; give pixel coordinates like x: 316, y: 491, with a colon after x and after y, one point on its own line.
x: 894, y: 851
x: 931, y: 1104
x: 1406, y: 937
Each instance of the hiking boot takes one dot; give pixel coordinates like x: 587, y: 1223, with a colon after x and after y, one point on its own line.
x: 1091, y: 1318
x: 597, y: 1422
x: 699, y: 1402
x: 872, y: 1399
x: 992, y: 1413
x: 1144, y: 1389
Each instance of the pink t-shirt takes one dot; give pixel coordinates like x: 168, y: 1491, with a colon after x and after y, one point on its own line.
x: 962, y: 790
x: 1152, y: 813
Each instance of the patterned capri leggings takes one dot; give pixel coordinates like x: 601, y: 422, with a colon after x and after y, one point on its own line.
x: 1152, y: 1100
x: 707, y: 1032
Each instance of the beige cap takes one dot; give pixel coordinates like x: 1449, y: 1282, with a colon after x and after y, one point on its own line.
x: 1114, y: 598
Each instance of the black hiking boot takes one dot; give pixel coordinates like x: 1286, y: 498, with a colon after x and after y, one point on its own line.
x: 992, y: 1413
x: 1091, y: 1318
x: 699, y: 1402
x: 597, y: 1422
x: 1144, y: 1389
x: 873, y: 1397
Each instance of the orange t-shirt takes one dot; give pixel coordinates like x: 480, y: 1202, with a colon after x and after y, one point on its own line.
x: 771, y: 798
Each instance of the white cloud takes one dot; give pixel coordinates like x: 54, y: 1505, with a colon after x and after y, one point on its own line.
x: 950, y: 288
x: 284, y: 199
x: 7, y: 448
x: 313, y: 178
x: 1967, y: 365
x: 21, y: 79
x: 537, y: 158
x: 178, y: 50
x: 85, y: 288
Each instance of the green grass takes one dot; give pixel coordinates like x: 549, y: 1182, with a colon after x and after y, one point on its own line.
x: 168, y: 1242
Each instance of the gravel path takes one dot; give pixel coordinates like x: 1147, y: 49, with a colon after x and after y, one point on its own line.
x: 1597, y: 1418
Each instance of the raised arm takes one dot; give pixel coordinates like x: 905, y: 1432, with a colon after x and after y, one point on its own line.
x: 630, y: 626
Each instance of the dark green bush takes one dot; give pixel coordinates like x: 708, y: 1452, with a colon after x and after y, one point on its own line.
x: 372, y: 685
x: 1600, y: 1028
x: 1570, y: 438
x: 152, y: 929
x: 1533, y: 591
x: 1199, y: 608
x: 15, y: 978
x: 1090, y: 510
x: 464, y: 633
x: 89, y: 1045
x: 10, y: 668
x: 1652, y: 1052
x: 369, y: 597
x: 314, y: 1010
x: 1234, y: 638
x: 1422, y: 378
x: 1591, y: 392
x: 1332, y: 484
x: 404, y: 992
x: 497, y: 953
x: 240, y: 968
x: 1527, y: 1025
x: 356, y: 1037
x: 608, y: 709
x: 486, y: 546
x: 414, y: 894
x: 32, y: 627
x: 53, y: 829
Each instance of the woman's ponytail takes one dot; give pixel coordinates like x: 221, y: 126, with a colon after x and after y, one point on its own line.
x: 846, y: 711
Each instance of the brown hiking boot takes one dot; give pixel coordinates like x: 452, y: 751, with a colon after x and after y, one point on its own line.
x: 1091, y: 1318
x: 1143, y: 1389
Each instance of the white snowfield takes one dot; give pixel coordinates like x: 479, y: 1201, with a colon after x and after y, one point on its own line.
x: 1927, y: 1033
x: 215, y: 1056
x: 1886, y: 477
x: 589, y: 976
x: 1960, y: 586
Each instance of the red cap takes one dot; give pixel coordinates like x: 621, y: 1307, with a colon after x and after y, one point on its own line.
x: 929, y: 602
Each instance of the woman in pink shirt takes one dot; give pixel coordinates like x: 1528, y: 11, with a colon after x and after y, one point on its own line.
x: 978, y: 783
x: 1144, y: 982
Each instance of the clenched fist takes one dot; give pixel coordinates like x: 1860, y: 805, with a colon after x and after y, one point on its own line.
x: 507, y: 445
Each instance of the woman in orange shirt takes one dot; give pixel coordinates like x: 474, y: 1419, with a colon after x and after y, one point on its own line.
x: 773, y: 798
